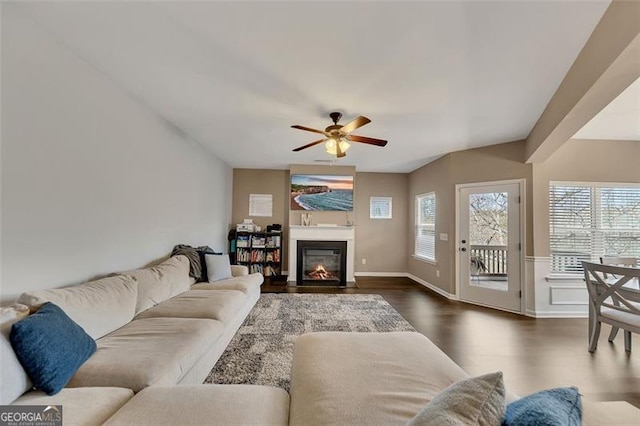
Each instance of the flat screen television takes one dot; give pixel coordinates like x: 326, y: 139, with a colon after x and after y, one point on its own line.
x: 322, y: 193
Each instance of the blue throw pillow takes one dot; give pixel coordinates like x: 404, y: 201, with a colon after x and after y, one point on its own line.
x: 559, y: 406
x: 50, y: 347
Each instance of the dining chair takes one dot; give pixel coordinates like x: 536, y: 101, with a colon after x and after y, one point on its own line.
x: 619, y: 261
x: 610, y: 303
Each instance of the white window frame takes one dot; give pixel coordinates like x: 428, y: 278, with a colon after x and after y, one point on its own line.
x: 429, y: 257
x: 375, y: 212
x: 596, y: 230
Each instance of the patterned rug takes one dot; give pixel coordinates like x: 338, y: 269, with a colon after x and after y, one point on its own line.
x: 262, y: 349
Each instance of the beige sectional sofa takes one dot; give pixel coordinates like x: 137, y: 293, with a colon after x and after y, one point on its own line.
x: 152, y: 326
x: 153, y: 353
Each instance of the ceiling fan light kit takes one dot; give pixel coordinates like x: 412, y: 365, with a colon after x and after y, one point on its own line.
x: 337, y: 137
x: 332, y: 146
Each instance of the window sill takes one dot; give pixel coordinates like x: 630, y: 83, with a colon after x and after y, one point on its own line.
x: 425, y: 259
x: 564, y: 278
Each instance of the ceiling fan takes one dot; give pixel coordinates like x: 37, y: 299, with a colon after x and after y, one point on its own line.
x: 337, y: 136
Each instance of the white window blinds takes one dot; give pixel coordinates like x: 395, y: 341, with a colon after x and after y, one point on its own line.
x: 587, y: 221
x: 425, y: 246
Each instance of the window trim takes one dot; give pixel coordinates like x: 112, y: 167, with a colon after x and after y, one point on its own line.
x: 417, y: 226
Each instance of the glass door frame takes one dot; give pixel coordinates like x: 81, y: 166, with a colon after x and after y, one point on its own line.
x: 522, y: 189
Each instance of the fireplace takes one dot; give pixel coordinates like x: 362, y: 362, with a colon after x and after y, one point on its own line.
x: 321, y: 263
x: 321, y: 233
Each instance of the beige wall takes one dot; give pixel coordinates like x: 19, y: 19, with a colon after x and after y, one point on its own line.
x: 487, y: 164
x: 382, y: 242
x: 259, y: 181
x: 372, y: 236
x: 577, y: 160
x: 434, y: 177
x: 582, y: 161
x: 497, y: 162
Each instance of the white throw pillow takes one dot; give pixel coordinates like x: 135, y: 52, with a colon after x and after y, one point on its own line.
x: 218, y: 267
x: 13, y: 379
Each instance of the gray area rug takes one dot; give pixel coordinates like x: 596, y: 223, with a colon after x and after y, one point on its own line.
x: 261, y: 351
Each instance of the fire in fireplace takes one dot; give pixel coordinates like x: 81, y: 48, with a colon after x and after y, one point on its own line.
x: 321, y: 273
x: 321, y: 262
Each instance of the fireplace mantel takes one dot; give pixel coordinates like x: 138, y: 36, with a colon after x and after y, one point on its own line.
x: 321, y: 233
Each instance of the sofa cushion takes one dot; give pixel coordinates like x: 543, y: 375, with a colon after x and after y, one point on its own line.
x: 147, y: 352
x: 160, y: 282
x: 206, y: 404
x: 245, y: 284
x: 99, y: 307
x: 81, y: 406
x: 473, y: 401
x: 221, y: 305
x: 14, y: 381
x: 50, y: 347
x: 559, y: 406
x: 356, y: 378
x: 218, y: 267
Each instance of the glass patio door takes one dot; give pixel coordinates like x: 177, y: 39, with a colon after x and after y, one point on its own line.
x: 489, y: 245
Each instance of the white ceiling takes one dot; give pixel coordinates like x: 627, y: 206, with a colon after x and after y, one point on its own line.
x: 433, y: 77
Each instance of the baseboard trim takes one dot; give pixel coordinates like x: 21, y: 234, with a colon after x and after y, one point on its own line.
x: 381, y: 274
x: 432, y: 287
x: 556, y: 314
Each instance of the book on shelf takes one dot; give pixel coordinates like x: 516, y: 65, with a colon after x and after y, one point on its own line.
x: 256, y: 268
x: 257, y: 256
x: 258, y: 241
x: 273, y: 241
x: 243, y: 255
x: 273, y: 256
x: 242, y: 241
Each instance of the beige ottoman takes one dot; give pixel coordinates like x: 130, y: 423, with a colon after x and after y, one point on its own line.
x: 366, y: 378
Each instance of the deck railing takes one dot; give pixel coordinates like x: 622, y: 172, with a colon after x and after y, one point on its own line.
x: 494, y: 259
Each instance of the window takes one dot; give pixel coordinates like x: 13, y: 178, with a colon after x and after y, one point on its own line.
x: 426, y: 226
x: 588, y: 220
x: 380, y: 208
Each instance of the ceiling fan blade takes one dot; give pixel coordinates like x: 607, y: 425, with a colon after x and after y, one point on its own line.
x: 308, y: 129
x: 364, y: 139
x: 339, y: 152
x: 309, y: 145
x: 358, y: 122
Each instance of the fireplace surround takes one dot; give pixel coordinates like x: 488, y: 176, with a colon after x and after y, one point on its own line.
x: 322, y: 233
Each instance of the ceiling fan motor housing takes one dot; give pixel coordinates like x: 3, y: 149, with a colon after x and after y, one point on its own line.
x: 335, y: 117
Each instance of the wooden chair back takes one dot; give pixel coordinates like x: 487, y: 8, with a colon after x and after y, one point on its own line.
x: 609, y: 292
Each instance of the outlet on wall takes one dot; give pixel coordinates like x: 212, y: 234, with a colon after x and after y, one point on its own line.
x: 364, y: 261
x: 437, y: 273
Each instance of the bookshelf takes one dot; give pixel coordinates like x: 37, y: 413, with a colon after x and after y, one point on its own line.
x: 259, y: 251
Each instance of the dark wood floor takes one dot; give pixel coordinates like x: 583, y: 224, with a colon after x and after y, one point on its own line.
x: 534, y: 354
